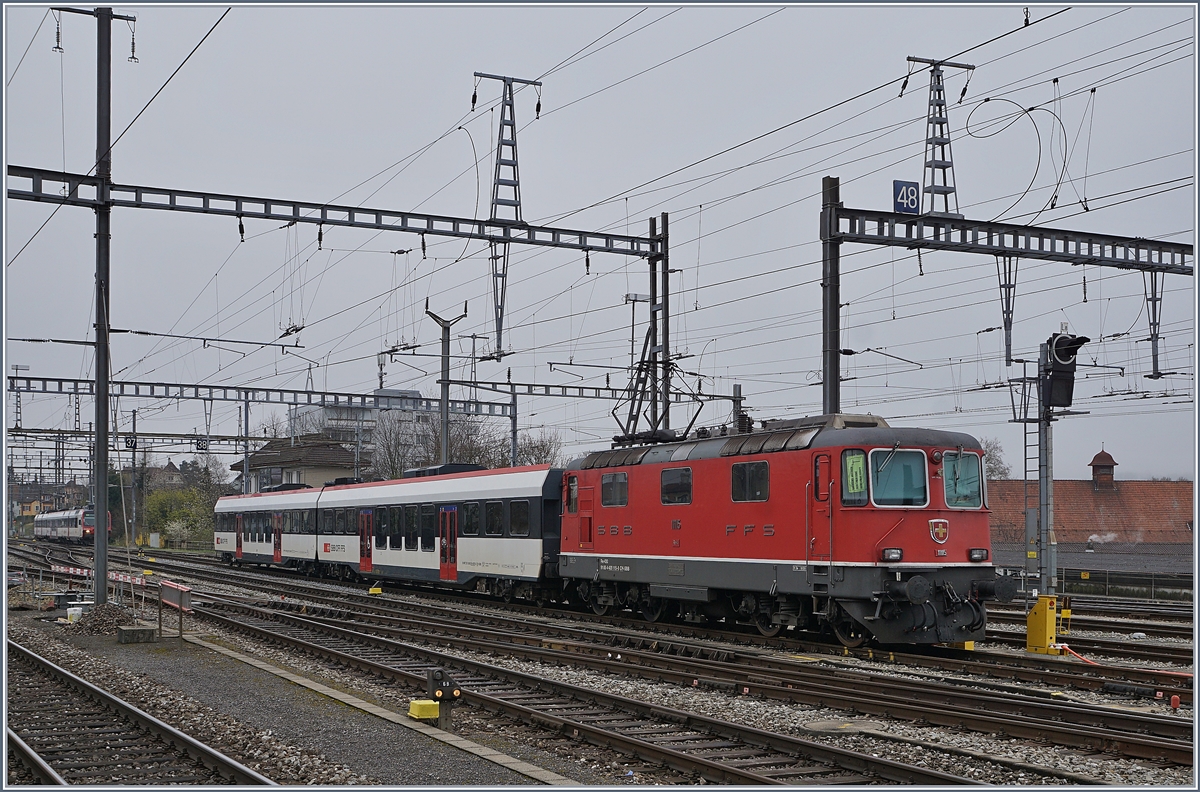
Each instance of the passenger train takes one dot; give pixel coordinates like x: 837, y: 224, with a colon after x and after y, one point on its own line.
x: 837, y: 522
x: 70, y: 525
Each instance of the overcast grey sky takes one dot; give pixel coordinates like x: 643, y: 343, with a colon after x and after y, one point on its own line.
x: 362, y: 106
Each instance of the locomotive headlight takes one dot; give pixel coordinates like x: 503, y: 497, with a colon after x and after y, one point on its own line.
x: 895, y: 554
x: 977, y: 554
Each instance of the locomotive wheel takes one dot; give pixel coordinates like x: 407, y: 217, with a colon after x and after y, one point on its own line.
x: 849, y: 633
x: 763, y: 622
x: 653, y: 609
x: 601, y: 610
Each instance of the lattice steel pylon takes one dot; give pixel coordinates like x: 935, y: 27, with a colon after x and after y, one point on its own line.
x: 939, y: 161
x: 506, y: 192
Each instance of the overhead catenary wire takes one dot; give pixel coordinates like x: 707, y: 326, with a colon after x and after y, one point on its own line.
x: 125, y: 130
x: 706, y: 202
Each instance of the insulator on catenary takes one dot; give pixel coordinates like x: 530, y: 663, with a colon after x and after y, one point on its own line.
x: 320, y: 236
x: 241, y: 229
x: 474, y: 99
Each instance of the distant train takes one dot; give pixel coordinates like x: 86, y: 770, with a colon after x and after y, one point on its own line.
x: 70, y: 525
x: 837, y: 522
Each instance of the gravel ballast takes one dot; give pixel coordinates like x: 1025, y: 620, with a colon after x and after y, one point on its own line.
x: 288, y: 733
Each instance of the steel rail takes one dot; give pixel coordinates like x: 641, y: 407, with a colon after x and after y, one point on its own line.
x: 1110, y: 625
x: 209, y: 757
x: 844, y: 689
x: 36, y: 764
x: 893, y: 771
x: 1159, y: 653
x: 1063, y: 672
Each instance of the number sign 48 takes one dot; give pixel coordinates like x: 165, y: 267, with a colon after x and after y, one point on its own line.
x: 906, y: 197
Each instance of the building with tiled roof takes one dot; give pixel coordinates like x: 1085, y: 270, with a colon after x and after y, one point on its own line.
x: 311, y: 459
x: 1102, y: 522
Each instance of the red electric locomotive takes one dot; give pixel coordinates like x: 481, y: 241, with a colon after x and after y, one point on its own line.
x: 837, y: 521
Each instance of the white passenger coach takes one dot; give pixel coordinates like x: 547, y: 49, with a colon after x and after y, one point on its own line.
x: 490, y: 531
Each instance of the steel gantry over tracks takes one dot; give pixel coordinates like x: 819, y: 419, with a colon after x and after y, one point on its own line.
x: 1002, y: 240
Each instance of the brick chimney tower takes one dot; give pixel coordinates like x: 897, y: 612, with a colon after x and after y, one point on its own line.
x: 1102, y: 471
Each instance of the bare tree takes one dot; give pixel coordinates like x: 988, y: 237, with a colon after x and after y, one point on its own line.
x: 993, y: 461
x: 544, y: 448
x: 406, y: 440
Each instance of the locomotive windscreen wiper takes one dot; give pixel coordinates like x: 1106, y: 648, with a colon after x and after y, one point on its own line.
x: 888, y: 458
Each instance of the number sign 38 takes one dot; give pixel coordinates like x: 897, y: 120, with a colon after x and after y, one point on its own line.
x: 906, y: 197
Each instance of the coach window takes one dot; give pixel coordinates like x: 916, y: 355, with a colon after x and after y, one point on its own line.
x: 470, y: 520
x: 518, y: 518
x: 614, y: 489
x: 395, y: 530
x: 428, y: 527
x: 493, y: 518
x: 339, y: 521
x: 960, y: 473
x: 411, y: 527
x: 677, y: 485
x: 381, y: 527
x: 898, y: 478
x: 854, y: 477
x: 573, y: 494
x: 751, y: 482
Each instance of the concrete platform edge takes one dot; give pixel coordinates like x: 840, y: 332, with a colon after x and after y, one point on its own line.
x: 516, y: 765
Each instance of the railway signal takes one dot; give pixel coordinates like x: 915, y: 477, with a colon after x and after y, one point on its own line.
x: 442, y: 688
x: 1058, y: 376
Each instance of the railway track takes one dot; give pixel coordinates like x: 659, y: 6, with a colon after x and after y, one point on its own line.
x: 68, y: 731
x: 1065, y: 672
x: 715, y: 750
x: 1119, y: 607
x: 800, y: 680
x: 1150, y: 629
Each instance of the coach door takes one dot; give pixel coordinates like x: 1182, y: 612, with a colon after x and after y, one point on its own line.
x: 365, y: 522
x: 237, y: 549
x: 448, y: 546
x: 277, y: 537
x: 820, y: 522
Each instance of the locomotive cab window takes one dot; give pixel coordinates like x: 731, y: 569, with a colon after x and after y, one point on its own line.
x: 960, y: 474
x: 854, y: 477
x: 751, y: 481
x: 676, y: 486
x: 614, y: 489
x: 898, y: 478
